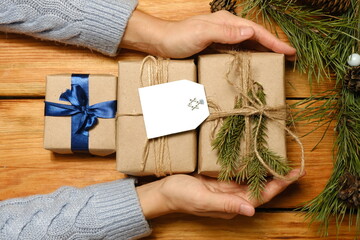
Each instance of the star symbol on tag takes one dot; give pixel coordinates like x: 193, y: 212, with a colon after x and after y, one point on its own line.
x: 194, y: 103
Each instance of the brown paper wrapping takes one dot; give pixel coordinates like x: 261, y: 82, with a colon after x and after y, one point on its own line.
x: 57, y: 133
x: 131, y: 134
x: 266, y: 69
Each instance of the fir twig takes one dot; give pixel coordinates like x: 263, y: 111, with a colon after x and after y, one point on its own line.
x: 327, y: 204
x: 320, y: 109
x: 323, y: 42
x: 227, y: 143
x: 246, y: 168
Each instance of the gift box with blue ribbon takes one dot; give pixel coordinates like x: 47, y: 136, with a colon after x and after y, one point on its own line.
x: 80, y: 111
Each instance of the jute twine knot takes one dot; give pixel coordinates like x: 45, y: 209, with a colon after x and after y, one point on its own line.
x: 154, y: 71
x: 244, y: 85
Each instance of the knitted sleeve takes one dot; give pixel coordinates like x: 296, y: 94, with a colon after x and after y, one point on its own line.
x: 95, y: 24
x: 103, y: 211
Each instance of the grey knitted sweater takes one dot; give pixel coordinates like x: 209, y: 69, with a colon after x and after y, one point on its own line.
x: 95, y: 24
x: 103, y: 211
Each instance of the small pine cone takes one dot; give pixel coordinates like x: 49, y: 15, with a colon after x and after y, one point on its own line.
x: 330, y: 6
x: 349, y: 190
x: 352, y: 79
x: 228, y: 5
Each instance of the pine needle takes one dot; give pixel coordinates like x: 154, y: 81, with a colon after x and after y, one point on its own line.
x: 323, y: 42
x: 246, y: 168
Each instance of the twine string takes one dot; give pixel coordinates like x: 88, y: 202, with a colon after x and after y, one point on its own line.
x: 157, y: 73
x: 154, y: 71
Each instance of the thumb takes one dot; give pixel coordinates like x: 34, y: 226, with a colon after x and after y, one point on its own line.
x: 228, y: 203
x: 228, y: 34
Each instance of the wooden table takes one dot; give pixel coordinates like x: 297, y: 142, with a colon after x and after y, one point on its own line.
x: 26, y: 168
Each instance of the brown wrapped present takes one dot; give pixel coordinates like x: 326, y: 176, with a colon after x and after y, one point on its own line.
x: 214, y: 71
x: 80, y: 113
x: 136, y: 155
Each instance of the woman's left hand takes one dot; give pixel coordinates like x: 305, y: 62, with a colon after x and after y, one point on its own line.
x: 180, y: 39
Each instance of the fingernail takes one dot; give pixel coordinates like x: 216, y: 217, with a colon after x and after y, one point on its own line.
x: 294, y: 172
x: 247, y: 210
x: 291, y: 58
x: 246, y: 31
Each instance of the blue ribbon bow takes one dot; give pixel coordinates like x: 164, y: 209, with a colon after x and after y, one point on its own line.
x: 83, y: 116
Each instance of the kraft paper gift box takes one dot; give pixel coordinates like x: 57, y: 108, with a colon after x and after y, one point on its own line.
x: 65, y: 134
x: 176, y: 153
x: 266, y: 69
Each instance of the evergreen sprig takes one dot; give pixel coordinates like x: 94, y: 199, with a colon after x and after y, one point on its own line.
x: 323, y: 41
x: 327, y: 204
x: 343, y: 106
x: 227, y: 142
x: 246, y: 168
x: 321, y: 110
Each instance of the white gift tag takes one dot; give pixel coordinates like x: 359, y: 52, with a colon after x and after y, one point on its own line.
x: 173, y: 107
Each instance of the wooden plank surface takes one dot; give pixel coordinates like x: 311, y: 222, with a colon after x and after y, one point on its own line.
x: 26, y: 168
x: 264, y: 225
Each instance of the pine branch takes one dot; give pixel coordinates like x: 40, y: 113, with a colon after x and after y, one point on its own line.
x: 327, y: 204
x: 323, y: 42
x: 227, y: 142
x: 321, y: 109
x: 256, y: 179
x: 247, y: 168
x: 258, y: 174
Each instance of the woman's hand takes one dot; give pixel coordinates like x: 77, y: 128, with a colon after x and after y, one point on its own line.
x: 185, y: 38
x: 204, y: 196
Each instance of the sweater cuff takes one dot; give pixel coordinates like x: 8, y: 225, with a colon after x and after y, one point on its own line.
x: 104, y: 24
x: 119, y: 210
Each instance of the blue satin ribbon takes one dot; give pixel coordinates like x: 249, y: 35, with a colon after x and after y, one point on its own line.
x: 83, y: 116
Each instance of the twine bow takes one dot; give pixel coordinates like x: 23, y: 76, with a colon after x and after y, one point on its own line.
x: 252, y: 106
